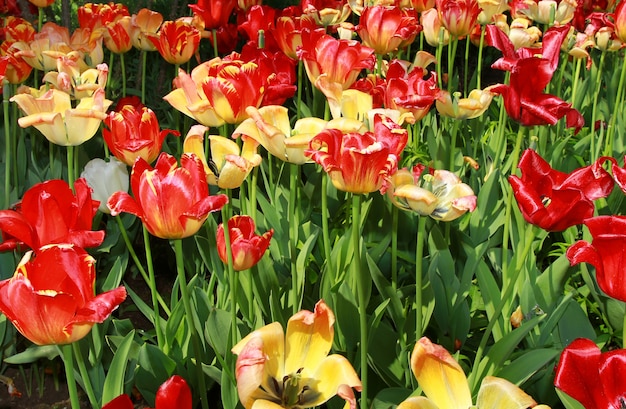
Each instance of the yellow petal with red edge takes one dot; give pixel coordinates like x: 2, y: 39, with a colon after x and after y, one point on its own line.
x: 273, y: 346
x: 234, y: 171
x: 194, y: 143
x: 441, y: 377
x: 309, y: 338
x: 269, y: 126
x: 220, y: 148
x: 334, y: 376
x: 418, y: 199
x: 498, y: 393
x: 250, y: 372
x: 417, y: 402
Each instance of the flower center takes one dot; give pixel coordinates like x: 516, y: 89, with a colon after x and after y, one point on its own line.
x: 293, y: 393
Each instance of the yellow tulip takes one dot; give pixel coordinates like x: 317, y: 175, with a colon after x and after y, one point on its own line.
x: 231, y: 165
x: 471, y: 107
x: 294, y: 370
x: 52, y: 114
x: 446, y: 387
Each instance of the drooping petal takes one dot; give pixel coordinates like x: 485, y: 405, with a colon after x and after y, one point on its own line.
x: 498, y: 393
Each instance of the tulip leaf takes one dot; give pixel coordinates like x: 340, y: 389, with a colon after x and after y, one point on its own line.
x: 217, y: 330
x: 527, y: 364
x: 153, y: 368
x: 568, y: 401
x: 574, y: 324
x: 114, y: 382
x: 115, y: 274
x: 390, y: 397
x: 33, y: 353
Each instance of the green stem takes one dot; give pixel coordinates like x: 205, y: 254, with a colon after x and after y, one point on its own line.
x: 214, y: 38
x: 394, y: 247
x: 138, y: 264
x: 438, y: 55
x: 70, y: 167
x: 122, y: 63
x: 189, y: 316
x: 325, y: 229
x: 232, y: 276
x: 299, y: 90
x: 619, y: 104
x: 451, y: 55
x: 68, y: 361
x: 144, y: 58
x: 597, y: 89
x: 153, y: 289
x: 85, y: 376
x: 8, y: 148
x: 467, y: 48
x: 361, y: 289
x: 575, y: 80
x: 419, y: 274
x: 294, y: 171
x: 479, y: 64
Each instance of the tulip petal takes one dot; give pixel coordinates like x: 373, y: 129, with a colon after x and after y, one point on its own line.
x: 417, y: 402
x: 174, y: 393
x: 121, y: 402
x: 498, y: 393
x: 334, y: 376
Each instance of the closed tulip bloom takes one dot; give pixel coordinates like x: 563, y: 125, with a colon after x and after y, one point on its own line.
x: 592, y: 377
x: 360, y: 163
x: 41, y: 3
x: 386, y: 29
x: 51, y: 213
x: 117, y: 35
x: 173, y: 393
x: 53, y: 115
x: 172, y: 201
x: 50, y: 298
x: 458, y: 16
x: 620, y: 21
x: 432, y: 28
x: 230, y: 164
x: 550, y: 12
x: 247, y: 247
x: 132, y: 132
x: 288, y: 33
x: 177, y: 41
x: 105, y: 178
x: 293, y: 370
x: 605, y: 253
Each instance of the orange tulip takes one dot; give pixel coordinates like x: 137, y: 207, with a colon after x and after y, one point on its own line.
x: 94, y: 15
x: 41, y: 3
x: 117, y: 35
x: 458, y: 16
x: 144, y: 22
x: 177, y: 41
x: 16, y: 70
x: 50, y: 298
x: 386, y: 29
x: 172, y: 201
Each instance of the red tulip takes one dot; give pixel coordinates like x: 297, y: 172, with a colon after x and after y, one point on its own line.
x: 214, y: 13
x: 288, y: 33
x: 359, y: 163
x: 555, y: 200
x: 247, y: 247
x: 177, y: 41
x: 593, y: 378
x: 279, y: 71
x: 50, y: 213
x: 409, y: 91
x: 50, y: 298
x: 386, y: 29
x: 173, y: 202
x: 260, y: 18
x: 172, y: 394
x: 132, y: 131
x: 606, y: 253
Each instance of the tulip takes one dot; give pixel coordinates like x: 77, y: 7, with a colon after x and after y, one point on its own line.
x: 458, y: 16
x: 293, y: 369
x: 117, y: 35
x: 144, y: 22
x: 288, y: 33
x: 105, y: 178
x: 41, y: 3
x: 173, y: 393
x: 51, y: 213
x: 592, y: 377
x: 326, y: 12
x: 434, y: 32
x: 214, y: 13
x: 16, y: 70
x: 409, y: 91
x: 176, y: 41
x: 50, y: 298
x: 218, y: 91
x: 386, y: 29
x: 96, y: 15
x: 441, y: 195
x: 172, y: 202
x: 52, y: 114
x: 476, y: 103
x: 445, y: 385
x: 555, y: 200
x: 69, y: 78
x: 360, y: 163
x: 605, y: 253
x: 18, y: 29
x: 620, y: 21
x: 132, y: 131
x: 230, y: 164
x: 52, y: 41
x: 550, y: 12
x: 247, y: 248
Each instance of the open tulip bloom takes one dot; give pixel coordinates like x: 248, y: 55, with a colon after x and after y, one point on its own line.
x: 173, y: 202
x: 50, y: 298
x: 293, y: 370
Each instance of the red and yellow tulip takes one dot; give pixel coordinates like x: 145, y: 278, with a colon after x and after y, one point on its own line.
x: 247, y: 248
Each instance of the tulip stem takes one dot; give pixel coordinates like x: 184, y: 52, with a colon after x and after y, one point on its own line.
x: 575, y: 81
x: 479, y: 64
x: 325, y: 230
x: 394, y: 247
x: 232, y: 276
x: 8, y: 146
x: 293, y: 236
x: 68, y: 361
x: 85, y: 376
x: 361, y: 289
x: 189, y: 316
x: 123, y: 65
x: 144, y: 57
x: 419, y: 258
x: 214, y: 42
x: 138, y: 264
x: 597, y: 89
x: 616, y: 112
x: 70, y: 166
x: 153, y: 289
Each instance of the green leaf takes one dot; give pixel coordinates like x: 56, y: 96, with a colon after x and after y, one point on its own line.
x: 114, y: 382
x: 33, y: 353
x: 153, y: 368
x: 527, y: 364
x: 390, y: 397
